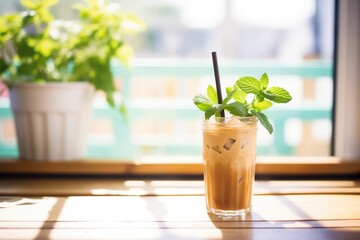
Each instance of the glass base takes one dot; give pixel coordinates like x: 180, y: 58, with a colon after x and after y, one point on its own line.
x: 229, y: 213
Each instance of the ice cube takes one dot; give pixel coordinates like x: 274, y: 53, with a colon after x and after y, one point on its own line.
x: 244, y: 143
x: 229, y: 143
x: 240, y: 179
x: 216, y: 148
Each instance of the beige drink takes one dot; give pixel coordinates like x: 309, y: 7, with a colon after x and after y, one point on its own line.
x: 229, y: 152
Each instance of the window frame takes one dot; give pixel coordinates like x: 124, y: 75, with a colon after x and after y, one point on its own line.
x: 346, y: 132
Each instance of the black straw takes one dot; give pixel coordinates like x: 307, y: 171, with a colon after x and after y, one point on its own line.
x: 217, y: 80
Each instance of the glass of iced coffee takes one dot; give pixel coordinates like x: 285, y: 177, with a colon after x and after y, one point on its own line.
x: 229, y: 143
x: 229, y: 152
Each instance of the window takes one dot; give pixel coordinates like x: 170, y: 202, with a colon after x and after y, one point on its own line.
x: 173, y: 63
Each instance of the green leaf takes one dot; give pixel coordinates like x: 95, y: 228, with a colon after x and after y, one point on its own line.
x: 217, y: 114
x: 49, y: 3
x: 248, y: 84
x: 36, y: 4
x: 97, y: 72
x: 228, y: 97
x: 123, y: 110
x: 27, y: 17
x: 229, y: 89
x: 236, y: 109
x: 202, y: 102
x: 216, y: 108
x: 132, y: 23
x: 260, y: 106
x: 124, y: 53
x: 263, y: 120
x: 212, y: 95
x: 26, y: 68
x: 46, y: 47
x: 277, y: 94
x: 110, y: 99
x: 239, y: 96
x: 264, y: 81
x: 3, y: 66
x: 103, y: 80
x: 259, y: 98
x: 24, y: 49
x: 31, y: 4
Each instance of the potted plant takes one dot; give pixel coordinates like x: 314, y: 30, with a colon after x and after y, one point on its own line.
x: 52, y: 68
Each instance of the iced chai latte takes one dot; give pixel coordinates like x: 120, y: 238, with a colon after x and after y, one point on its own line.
x: 229, y: 152
x: 229, y: 144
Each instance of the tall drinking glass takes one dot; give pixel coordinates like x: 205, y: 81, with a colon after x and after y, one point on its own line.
x: 229, y: 153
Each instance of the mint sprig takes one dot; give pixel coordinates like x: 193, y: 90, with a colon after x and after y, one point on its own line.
x: 236, y: 102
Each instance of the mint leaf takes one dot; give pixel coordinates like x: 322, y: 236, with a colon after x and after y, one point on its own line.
x: 259, y: 98
x: 202, y: 102
x: 248, y: 84
x: 277, y: 94
x: 216, y: 108
x: 239, y: 96
x: 262, y: 105
x: 212, y: 95
x: 236, y: 109
x: 228, y: 97
x: 263, y: 120
x: 229, y: 89
x: 264, y: 81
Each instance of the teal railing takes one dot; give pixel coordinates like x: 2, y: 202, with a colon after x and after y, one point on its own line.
x: 123, y: 145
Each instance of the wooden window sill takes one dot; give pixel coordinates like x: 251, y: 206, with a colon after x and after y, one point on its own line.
x: 276, y: 166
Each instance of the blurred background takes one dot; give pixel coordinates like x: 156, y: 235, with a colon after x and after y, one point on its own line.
x: 291, y: 40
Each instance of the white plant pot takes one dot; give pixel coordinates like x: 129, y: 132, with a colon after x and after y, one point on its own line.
x: 51, y: 119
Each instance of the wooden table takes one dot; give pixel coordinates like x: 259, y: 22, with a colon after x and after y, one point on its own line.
x: 135, y: 209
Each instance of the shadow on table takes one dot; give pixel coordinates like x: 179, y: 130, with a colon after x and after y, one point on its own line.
x: 6, y: 202
x: 50, y: 222
x: 255, y: 226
